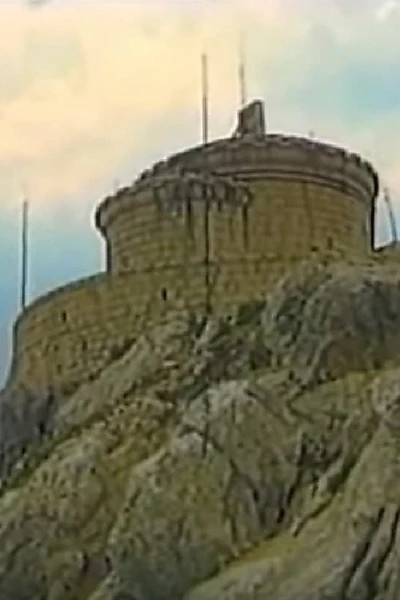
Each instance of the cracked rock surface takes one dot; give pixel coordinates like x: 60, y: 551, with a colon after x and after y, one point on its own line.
x: 249, y: 458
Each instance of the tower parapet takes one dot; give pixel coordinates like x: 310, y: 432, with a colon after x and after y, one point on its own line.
x: 270, y: 157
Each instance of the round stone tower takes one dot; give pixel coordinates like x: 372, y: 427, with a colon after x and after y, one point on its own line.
x: 249, y: 204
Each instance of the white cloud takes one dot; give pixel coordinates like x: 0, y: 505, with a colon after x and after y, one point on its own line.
x: 127, y: 68
x: 386, y: 10
x: 93, y: 89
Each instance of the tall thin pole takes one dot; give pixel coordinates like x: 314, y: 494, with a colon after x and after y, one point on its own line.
x: 204, y: 78
x: 242, y: 75
x: 392, y: 218
x: 24, y: 252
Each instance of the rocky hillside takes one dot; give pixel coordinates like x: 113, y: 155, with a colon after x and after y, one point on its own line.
x: 249, y: 458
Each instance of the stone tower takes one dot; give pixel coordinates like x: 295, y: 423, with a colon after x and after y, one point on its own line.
x: 204, y: 230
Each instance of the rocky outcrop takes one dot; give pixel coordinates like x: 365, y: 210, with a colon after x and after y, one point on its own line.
x: 244, y: 458
x: 25, y: 419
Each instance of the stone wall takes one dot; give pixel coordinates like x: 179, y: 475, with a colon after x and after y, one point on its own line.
x: 146, y: 235
x: 290, y: 219
x: 70, y: 334
x: 283, y: 219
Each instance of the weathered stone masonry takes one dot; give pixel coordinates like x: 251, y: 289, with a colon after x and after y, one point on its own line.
x: 205, y: 229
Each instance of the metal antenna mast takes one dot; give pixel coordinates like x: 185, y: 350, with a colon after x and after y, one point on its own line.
x: 24, y: 251
x: 204, y: 77
x: 242, y: 76
x: 392, y: 219
x: 204, y: 84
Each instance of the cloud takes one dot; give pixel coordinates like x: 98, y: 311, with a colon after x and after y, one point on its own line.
x: 387, y: 9
x: 91, y: 91
x: 37, y: 3
x: 89, y: 88
x: 83, y: 85
x: 39, y: 59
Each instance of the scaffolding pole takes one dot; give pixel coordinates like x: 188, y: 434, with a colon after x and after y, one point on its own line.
x: 242, y: 74
x: 24, y: 253
x: 204, y: 84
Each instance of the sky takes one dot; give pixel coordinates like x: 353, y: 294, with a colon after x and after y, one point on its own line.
x: 92, y: 92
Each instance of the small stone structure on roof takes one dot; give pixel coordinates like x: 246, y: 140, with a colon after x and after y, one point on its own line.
x: 251, y: 120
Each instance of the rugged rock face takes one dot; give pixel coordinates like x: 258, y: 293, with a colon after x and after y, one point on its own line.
x: 249, y: 458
